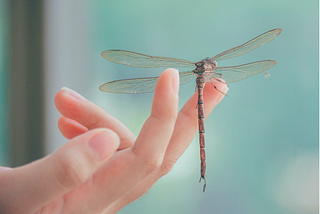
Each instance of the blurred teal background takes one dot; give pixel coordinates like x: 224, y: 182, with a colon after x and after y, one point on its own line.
x: 262, y: 142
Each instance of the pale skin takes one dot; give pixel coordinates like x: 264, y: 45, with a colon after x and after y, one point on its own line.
x: 104, y: 167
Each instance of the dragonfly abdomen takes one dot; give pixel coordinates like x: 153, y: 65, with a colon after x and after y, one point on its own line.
x: 200, y: 85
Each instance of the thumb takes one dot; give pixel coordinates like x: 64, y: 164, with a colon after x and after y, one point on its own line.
x: 40, y: 182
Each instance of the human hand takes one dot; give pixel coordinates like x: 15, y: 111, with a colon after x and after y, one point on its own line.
x: 79, y: 179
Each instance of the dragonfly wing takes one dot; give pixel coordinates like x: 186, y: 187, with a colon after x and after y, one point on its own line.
x: 139, y: 85
x: 186, y: 77
x: 240, y: 72
x: 248, y: 46
x: 144, y: 61
x: 130, y: 86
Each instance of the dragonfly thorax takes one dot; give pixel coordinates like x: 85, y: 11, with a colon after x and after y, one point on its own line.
x: 205, y: 65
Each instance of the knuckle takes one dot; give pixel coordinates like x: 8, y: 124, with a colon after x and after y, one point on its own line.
x: 166, y: 168
x: 169, y: 117
x: 70, y: 172
x: 187, y: 114
x: 172, y: 119
x: 153, y: 164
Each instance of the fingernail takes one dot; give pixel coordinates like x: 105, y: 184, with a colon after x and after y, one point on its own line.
x: 73, y: 93
x: 175, y: 81
x: 103, y: 144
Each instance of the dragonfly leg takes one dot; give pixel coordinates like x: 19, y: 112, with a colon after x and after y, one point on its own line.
x: 195, y: 91
x: 220, y: 75
x: 218, y: 89
x: 205, y: 183
x: 217, y: 78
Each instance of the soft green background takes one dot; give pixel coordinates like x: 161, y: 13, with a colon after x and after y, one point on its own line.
x: 262, y: 141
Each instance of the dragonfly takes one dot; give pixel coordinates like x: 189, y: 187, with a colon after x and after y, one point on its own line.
x: 205, y: 70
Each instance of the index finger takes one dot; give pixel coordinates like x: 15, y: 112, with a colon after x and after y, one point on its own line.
x: 158, y: 128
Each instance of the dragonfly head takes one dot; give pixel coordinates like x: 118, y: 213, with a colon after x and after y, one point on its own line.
x: 210, y: 65
x: 205, y: 65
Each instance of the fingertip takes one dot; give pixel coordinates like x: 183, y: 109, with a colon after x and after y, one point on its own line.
x: 58, y: 96
x: 70, y: 104
x: 62, y: 97
x: 175, y: 81
x: 73, y: 93
x: 62, y: 101
x: 169, y: 75
x: 222, y: 85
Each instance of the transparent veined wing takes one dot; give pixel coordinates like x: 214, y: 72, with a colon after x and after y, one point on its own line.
x: 139, y: 85
x: 248, y: 46
x: 240, y: 72
x: 144, y: 61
